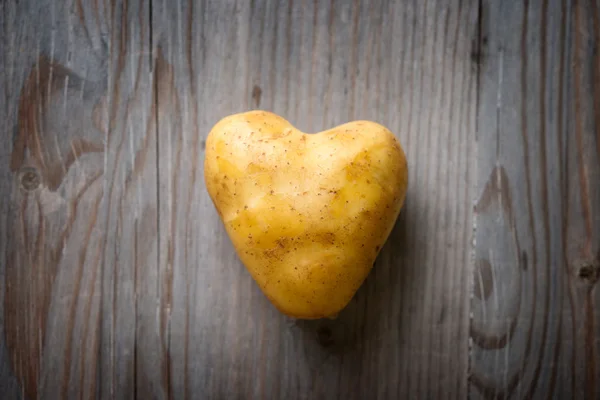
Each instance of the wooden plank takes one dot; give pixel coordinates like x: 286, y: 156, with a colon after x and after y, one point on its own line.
x: 80, y: 263
x: 55, y: 157
x: 133, y: 357
x: 536, y: 308
x: 319, y: 63
x: 8, y: 383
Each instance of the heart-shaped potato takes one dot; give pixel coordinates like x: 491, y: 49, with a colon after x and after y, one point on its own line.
x: 307, y: 213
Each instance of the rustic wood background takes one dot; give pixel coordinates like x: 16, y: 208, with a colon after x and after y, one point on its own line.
x: 118, y: 279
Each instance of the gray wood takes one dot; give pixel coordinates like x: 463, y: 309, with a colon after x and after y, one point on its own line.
x: 9, y: 385
x: 80, y: 259
x: 46, y: 129
x: 118, y: 278
x: 318, y: 64
x: 132, y: 362
x: 536, y: 309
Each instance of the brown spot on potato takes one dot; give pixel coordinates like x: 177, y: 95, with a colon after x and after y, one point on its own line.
x: 281, y: 242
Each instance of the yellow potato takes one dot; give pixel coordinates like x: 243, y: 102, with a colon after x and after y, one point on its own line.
x: 307, y: 213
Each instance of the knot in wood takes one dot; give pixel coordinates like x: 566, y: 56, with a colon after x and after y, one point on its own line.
x: 29, y: 178
x: 589, y: 271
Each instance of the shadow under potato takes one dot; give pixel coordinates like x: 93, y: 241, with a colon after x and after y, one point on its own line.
x: 373, y: 309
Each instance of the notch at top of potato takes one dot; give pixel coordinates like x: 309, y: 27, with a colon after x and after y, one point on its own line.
x: 307, y: 213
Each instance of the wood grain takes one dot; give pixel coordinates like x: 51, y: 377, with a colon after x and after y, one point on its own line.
x: 118, y: 280
x: 536, y: 309
x: 318, y: 64
x: 9, y: 386
x: 80, y: 263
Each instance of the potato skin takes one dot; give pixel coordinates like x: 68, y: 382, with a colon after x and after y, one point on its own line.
x: 307, y: 213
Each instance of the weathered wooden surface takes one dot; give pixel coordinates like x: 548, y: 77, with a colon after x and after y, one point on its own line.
x: 118, y: 280
x: 536, y: 311
x: 320, y: 64
x: 80, y: 263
